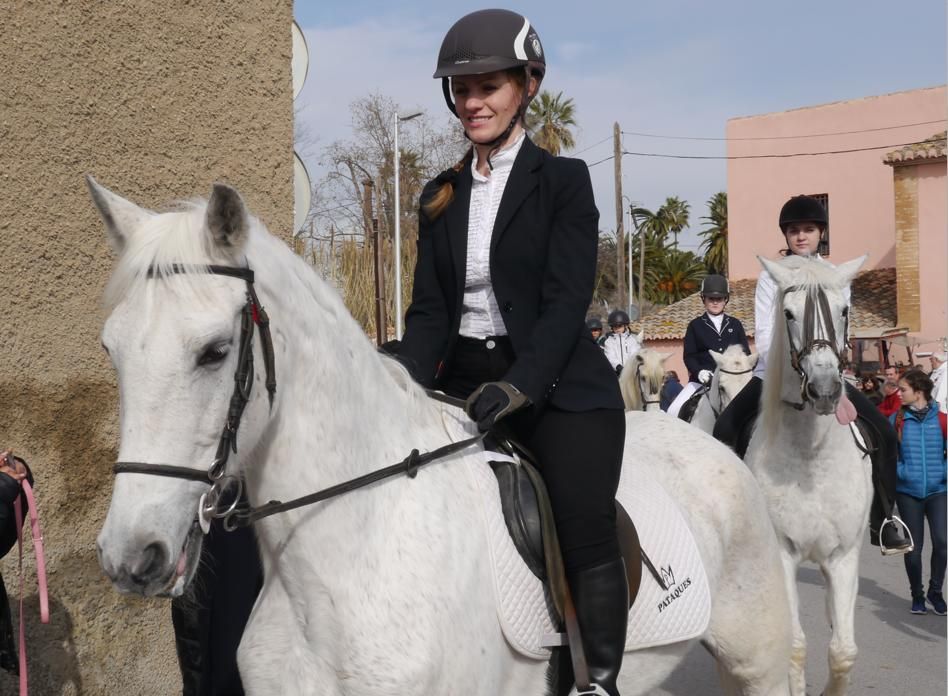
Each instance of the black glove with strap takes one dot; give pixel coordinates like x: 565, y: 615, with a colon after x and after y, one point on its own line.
x: 492, y: 401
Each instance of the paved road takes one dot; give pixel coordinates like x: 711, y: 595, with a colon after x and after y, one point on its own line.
x: 899, y: 653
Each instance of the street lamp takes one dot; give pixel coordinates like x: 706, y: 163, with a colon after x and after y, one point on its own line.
x: 398, y: 230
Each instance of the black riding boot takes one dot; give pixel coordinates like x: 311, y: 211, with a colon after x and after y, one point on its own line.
x: 601, y: 596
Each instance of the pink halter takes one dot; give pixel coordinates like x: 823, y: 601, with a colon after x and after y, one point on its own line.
x: 40, y: 572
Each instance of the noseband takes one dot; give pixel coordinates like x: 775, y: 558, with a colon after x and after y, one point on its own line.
x: 252, y: 315
x: 818, y: 332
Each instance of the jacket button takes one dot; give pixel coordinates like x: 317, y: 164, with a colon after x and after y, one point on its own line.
x: 507, y: 306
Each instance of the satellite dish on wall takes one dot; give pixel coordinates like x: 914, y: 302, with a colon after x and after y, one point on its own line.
x: 302, y: 193
x: 300, y: 61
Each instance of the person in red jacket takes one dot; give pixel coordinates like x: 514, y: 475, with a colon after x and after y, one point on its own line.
x: 892, y: 398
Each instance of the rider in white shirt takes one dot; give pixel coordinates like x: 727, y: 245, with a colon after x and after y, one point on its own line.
x: 620, y: 345
x: 803, y: 222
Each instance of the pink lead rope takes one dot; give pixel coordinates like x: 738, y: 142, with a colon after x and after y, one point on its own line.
x: 40, y: 572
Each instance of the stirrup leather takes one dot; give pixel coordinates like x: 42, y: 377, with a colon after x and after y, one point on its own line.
x: 897, y: 521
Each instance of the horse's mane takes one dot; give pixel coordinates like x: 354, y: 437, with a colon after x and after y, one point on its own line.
x: 809, y: 273
x: 177, y: 236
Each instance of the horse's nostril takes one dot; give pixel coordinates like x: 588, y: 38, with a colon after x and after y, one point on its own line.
x: 153, y: 559
x: 812, y: 392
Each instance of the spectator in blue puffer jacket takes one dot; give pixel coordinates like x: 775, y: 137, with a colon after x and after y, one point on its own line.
x: 921, y: 489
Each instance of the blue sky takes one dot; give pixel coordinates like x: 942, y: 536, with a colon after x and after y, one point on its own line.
x: 670, y: 67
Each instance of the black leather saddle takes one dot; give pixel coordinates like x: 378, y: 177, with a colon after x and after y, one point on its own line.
x: 687, y: 410
x: 529, y: 520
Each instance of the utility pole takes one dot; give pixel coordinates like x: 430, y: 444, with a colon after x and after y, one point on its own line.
x: 620, y: 238
x: 372, y: 234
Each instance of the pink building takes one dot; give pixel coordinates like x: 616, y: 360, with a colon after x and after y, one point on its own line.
x: 883, y: 184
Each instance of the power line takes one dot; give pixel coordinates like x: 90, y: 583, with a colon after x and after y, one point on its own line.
x: 608, y: 137
x: 590, y: 166
x: 773, y: 156
x: 782, y: 137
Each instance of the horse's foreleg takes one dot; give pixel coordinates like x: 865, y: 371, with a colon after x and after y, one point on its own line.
x: 842, y: 585
x: 798, y: 649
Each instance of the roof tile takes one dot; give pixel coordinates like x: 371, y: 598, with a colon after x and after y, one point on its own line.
x: 873, y: 305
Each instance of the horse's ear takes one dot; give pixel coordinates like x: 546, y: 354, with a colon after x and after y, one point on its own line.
x: 718, y: 357
x: 662, y: 357
x: 783, y: 276
x: 121, y: 217
x: 641, y: 336
x: 754, y: 357
x: 849, y: 269
x: 227, y: 221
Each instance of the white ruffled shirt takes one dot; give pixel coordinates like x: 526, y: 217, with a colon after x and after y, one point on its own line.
x: 480, y: 315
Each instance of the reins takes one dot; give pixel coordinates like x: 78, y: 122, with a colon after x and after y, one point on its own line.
x: 236, y: 515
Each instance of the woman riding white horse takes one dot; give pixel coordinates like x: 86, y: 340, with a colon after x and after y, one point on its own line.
x: 386, y: 589
x: 803, y: 222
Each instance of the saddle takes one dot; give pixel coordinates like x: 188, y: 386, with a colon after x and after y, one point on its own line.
x: 687, y: 410
x: 528, y: 517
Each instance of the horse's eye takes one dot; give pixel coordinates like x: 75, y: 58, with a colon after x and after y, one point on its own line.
x: 788, y: 314
x: 213, y: 354
x: 106, y: 349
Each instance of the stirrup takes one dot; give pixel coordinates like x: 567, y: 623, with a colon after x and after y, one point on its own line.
x: 897, y: 521
x: 593, y: 690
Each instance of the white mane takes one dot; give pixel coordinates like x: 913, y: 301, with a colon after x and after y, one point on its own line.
x: 177, y: 237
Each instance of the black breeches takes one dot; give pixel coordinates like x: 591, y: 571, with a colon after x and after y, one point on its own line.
x: 884, y: 460
x: 209, y: 621
x: 579, y: 455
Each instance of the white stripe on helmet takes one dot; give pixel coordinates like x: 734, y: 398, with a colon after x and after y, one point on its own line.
x: 518, y: 41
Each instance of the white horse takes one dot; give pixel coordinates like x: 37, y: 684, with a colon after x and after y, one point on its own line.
x: 382, y: 590
x: 734, y: 370
x: 641, y: 380
x: 817, y: 484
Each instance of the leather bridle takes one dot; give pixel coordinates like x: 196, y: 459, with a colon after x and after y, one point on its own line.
x: 818, y: 332
x: 236, y: 513
x: 253, y: 314
x: 638, y: 381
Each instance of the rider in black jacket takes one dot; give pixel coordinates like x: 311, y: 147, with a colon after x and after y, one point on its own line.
x: 506, y: 266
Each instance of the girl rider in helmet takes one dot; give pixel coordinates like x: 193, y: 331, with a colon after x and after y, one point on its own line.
x: 803, y: 221
x: 620, y: 345
x: 506, y: 264
x: 712, y: 331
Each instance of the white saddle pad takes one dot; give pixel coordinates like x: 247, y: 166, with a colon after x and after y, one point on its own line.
x: 658, y: 617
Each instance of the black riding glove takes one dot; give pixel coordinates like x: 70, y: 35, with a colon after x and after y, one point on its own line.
x: 492, y: 401
x: 619, y: 369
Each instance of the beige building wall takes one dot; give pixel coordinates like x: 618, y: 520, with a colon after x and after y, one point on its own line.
x: 157, y: 100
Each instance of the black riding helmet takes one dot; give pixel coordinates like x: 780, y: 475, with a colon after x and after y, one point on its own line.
x: 715, y: 286
x: 803, y: 209
x: 617, y: 316
x: 594, y: 324
x: 487, y: 41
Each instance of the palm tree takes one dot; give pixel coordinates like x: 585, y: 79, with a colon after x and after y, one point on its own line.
x: 714, y: 245
x: 548, y: 121
x: 676, y: 212
x: 674, y: 276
